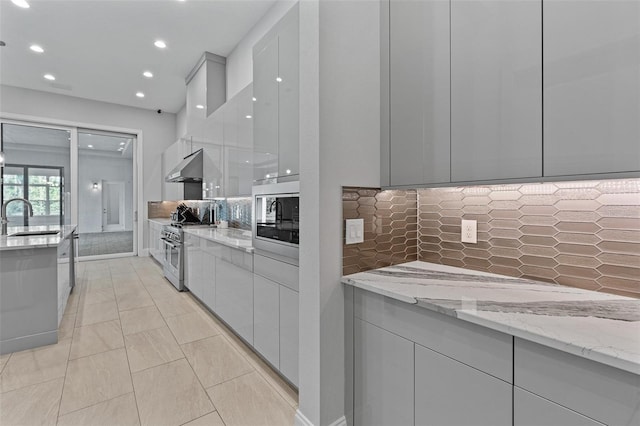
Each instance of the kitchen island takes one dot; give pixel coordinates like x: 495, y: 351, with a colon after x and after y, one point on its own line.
x: 36, y: 277
x: 434, y: 344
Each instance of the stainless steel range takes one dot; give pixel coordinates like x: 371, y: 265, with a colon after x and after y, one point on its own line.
x: 173, y: 240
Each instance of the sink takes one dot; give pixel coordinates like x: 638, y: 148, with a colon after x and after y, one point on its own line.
x: 34, y: 233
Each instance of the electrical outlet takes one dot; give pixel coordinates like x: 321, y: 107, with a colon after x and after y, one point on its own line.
x: 354, y: 231
x: 469, y: 231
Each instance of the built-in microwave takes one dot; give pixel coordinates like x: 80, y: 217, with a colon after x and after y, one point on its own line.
x: 276, y: 218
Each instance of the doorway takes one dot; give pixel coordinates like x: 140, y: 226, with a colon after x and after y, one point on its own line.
x: 113, y: 210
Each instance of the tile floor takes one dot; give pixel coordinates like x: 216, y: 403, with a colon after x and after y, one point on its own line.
x: 133, y: 351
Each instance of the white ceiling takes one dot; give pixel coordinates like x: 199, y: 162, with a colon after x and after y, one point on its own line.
x: 98, y: 49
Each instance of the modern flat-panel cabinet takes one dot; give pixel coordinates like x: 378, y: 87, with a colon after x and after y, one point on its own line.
x: 591, y: 87
x: 383, y: 377
x: 531, y: 410
x: 266, y: 319
x: 289, y: 347
x: 234, y: 297
x: 448, y: 392
x: 496, y: 89
x: 265, y: 120
x: 156, y: 247
x: 276, y: 89
x: 419, y: 98
x: 193, y: 277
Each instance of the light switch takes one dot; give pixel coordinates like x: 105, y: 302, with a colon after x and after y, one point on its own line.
x: 355, y: 231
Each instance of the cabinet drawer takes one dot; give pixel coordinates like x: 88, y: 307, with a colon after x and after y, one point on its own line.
x: 486, y: 350
x: 531, y: 410
x: 604, y: 393
x: 280, y: 272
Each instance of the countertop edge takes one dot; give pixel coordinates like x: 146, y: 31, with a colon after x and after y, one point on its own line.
x: 213, y: 240
x: 51, y: 241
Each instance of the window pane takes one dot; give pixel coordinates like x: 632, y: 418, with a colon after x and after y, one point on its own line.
x: 39, y: 208
x: 37, y: 179
x: 54, y: 208
x: 37, y: 193
x: 12, y: 191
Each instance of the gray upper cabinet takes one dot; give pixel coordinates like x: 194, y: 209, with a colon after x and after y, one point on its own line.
x: 591, y: 87
x: 238, y: 144
x: 419, y: 95
x: 496, y: 89
x: 265, y: 120
x: 276, y: 91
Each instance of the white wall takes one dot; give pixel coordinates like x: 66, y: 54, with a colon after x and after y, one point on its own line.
x: 95, y: 168
x: 158, y: 130
x: 339, y: 146
x: 240, y: 60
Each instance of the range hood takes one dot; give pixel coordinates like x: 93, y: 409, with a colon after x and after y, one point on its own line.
x: 189, y: 170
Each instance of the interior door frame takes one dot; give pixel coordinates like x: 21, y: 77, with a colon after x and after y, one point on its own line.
x: 138, y: 166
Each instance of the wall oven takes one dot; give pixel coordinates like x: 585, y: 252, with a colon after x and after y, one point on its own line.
x: 276, y: 219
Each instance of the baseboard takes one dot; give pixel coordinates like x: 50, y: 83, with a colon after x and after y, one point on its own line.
x: 302, y: 420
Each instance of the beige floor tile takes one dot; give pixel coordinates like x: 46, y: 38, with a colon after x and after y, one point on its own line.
x: 96, y: 338
x: 191, y: 327
x: 67, y: 324
x: 151, y: 348
x: 3, y: 361
x: 141, y: 319
x: 134, y: 300
x: 35, y: 366
x: 287, y: 392
x: 215, y: 361
x: 170, y: 394
x: 120, y: 411
x: 161, y: 290
x: 211, y: 419
x: 100, y: 312
x: 249, y: 400
x: 92, y: 296
x: 32, y: 405
x: 97, y: 284
x: 72, y: 303
x: 125, y: 287
x: 95, y: 379
x: 174, y: 306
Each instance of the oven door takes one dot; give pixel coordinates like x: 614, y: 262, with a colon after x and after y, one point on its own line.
x: 173, y: 262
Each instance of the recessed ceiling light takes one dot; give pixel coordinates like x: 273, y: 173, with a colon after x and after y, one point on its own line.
x: 121, y: 143
x: 21, y: 3
x: 140, y: 95
x: 148, y: 74
x: 288, y: 171
x: 36, y: 48
x: 254, y: 99
x: 279, y: 79
x: 248, y: 116
x: 89, y: 146
x: 160, y: 44
x: 200, y: 106
x: 49, y: 77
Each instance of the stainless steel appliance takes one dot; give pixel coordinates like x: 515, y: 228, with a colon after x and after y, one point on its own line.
x: 189, y: 173
x: 276, y: 219
x: 172, y: 239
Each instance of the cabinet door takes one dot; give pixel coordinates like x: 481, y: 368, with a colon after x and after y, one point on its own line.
x: 230, y: 122
x: 196, y: 107
x: 289, y: 348
x: 448, y: 392
x: 234, y: 297
x: 419, y: 95
x: 532, y: 410
x: 245, y: 117
x: 496, y: 89
x: 383, y: 377
x: 193, y: 271
x: 591, y: 86
x: 266, y: 319
x: 265, y: 109
x: 288, y: 89
x: 208, y: 278
x: 238, y: 171
x: 213, y: 169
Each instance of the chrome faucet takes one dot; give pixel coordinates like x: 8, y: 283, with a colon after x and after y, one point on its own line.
x: 4, y: 219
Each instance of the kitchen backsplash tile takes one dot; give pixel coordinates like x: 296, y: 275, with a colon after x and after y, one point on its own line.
x: 160, y: 209
x: 237, y: 211
x: 583, y: 234
x: 390, y: 224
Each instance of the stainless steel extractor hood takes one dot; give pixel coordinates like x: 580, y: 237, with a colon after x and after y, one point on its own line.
x: 189, y: 170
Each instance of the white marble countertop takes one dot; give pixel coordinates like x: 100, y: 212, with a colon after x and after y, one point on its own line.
x: 8, y: 242
x: 593, y: 325
x: 231, y: 237
x: 161, y: 220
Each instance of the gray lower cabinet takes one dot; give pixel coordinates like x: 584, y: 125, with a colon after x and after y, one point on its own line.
x: 383, y: 377
x: 234, y: 297
x: 193, y: 277
x: 419, y: 99
x: 266, y: 327
x: 591, y: 87
x: 496, y: 89
x: 288, y: 336
x: 208, y: 274
x: 532, y: 410
x: 448, y: 392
